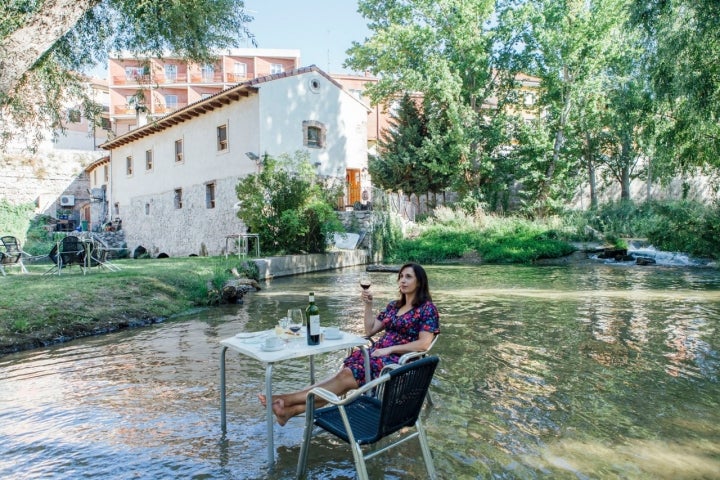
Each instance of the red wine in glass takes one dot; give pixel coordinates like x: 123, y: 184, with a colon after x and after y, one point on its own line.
x: 365, y: 282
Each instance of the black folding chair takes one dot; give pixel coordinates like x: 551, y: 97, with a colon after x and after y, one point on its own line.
x: 12, y: 255
x: 360, y: 419
x: 70, y: 251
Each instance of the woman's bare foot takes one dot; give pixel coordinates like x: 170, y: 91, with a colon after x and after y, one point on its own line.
x: 278, y: 407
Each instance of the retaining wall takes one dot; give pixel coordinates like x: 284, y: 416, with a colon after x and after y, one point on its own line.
x: 271, y: 267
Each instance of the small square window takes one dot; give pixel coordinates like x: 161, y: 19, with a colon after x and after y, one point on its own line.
x: 314, y: 134
x: 222, y: 140
x: 276, y: 68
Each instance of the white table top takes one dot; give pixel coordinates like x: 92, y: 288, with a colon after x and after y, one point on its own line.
x: 251, y: 345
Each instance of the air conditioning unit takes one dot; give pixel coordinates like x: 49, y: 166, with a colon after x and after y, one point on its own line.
x: 67, y: 200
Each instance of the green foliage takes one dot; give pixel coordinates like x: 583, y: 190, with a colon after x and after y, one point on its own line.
x: 679, y: 226
x: 454, y: 234
x: 15, y: 219
x: 288, y: 207
x: 35, y: 93
x: 249, y: 270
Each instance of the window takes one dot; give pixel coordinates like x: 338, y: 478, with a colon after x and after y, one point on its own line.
x: 276, y: 68
x: 105, y: 123
x: 179, y: 150
x: 171, y: 102
x: 314, y: 134
x: 313, y: 137
x: 116, y: 207
x: 106, y: 173
x: 148, y: 159
x: 171, y: 72
x: 178, y: 198
x: 222, y: 140
x: 129, y: 165
x: 203, y: 96
x: 147, y: 209
x: 95, y: 177
x: 240, y: 69
x: 134, y: 72
x: 210, y: 195
x: 208, y: 72
x: 529, y: 99
x: 356, y: 93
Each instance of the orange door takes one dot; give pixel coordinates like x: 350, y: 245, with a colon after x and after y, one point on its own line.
x: 352, y: 176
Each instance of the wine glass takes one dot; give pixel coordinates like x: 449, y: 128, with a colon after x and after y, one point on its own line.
x: 365, y: 281
x: 297, y: 319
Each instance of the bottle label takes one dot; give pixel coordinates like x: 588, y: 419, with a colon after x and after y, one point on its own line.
x: 314, y: 324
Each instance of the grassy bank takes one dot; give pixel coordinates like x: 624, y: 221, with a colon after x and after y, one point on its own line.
x: 38, y: 309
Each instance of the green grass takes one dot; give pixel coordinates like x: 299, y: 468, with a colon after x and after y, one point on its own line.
x: 37, y: 308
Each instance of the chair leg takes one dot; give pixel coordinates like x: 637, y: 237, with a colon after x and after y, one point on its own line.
x: 2, y: 270
x: 359, y: 461
x: 22, y: 267
x: 425, y: 447
x: 305, y: 446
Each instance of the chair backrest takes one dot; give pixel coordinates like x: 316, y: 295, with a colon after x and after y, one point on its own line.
x: 72, y: 250
x: 404, y: 393
x: 13, y: 252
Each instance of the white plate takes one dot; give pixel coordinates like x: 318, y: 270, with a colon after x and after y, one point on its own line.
x: 249, y: 334
x: 265, y: 348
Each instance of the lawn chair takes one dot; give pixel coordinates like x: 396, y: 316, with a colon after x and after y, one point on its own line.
x: 360, y: 419
x: 13, y: 254
x: 70, y: 251
x: 405, y: 358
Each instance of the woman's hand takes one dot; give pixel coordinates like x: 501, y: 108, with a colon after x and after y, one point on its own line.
x: 381, y: 352
x: 367, y: 297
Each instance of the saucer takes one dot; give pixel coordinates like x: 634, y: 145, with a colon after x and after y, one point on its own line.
x: 249, y: 334
x: 334, y: 337
x: 265, y: 348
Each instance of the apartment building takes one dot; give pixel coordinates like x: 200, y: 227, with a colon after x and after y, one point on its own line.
x: 150, y: 88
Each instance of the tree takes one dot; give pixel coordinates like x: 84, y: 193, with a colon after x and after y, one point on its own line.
x: 43, y: 44
x: 286, y: 205
x: 439, y: 50
x: 680, y: 38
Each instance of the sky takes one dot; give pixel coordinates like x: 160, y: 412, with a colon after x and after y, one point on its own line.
x: 321, y: 29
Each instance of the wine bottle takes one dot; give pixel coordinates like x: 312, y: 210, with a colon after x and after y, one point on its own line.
x: 313, y: 327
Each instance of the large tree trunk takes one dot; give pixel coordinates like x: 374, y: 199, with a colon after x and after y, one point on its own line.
x: 626, y: 153
x: 592, y: 180
x: 21, y: 49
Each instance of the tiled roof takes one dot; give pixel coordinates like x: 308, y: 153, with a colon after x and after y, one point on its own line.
x: 220, y: 99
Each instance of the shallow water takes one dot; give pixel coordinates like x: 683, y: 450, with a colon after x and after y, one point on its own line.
x: 553, y: 372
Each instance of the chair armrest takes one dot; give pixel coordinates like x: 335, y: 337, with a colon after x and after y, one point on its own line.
x: 333, y: 399
x: 406, y: 357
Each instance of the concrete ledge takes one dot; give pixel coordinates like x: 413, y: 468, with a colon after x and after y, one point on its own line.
x: 295, y: 264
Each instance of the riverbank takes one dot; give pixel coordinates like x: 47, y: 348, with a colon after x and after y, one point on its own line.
x: 38, y: 310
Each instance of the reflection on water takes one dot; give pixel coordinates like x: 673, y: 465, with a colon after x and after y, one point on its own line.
x: 592, y: 372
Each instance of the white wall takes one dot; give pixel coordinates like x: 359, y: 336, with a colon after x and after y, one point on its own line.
x: 268, y: 122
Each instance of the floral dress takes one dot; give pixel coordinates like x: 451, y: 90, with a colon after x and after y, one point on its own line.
x: 399, y: 330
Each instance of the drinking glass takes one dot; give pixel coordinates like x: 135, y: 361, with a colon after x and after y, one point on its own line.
x: 365, y: 281
x: 297, y: 319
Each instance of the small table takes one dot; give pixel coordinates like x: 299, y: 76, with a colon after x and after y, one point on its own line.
x: 296, y: 348
x: 243, y: 240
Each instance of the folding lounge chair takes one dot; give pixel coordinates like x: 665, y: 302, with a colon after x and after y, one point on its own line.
x: 70, y: 251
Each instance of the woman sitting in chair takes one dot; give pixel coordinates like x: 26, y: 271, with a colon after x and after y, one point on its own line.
x: 410, y: 325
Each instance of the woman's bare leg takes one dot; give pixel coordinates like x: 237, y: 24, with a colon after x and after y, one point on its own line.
x: 288, y: 405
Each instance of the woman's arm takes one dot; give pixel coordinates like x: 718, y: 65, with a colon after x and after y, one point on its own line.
x: 371, y: 323
x: 421, y: 344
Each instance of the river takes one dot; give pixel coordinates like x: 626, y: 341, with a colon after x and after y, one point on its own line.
x: 591, y: 371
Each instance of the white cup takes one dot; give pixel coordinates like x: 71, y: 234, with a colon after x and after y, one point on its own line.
x: 273, y: 342
x: 332, y: 332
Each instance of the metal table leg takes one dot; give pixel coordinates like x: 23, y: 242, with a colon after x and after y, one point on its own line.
x: 269, y: 415
x: 223, y: 423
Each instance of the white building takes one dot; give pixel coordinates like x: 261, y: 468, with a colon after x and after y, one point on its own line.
x: 172, y: 181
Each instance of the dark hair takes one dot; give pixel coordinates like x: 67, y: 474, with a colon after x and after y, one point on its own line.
x: 422, y: 292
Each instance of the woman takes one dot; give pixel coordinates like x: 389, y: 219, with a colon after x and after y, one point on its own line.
x: 410, y: 325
